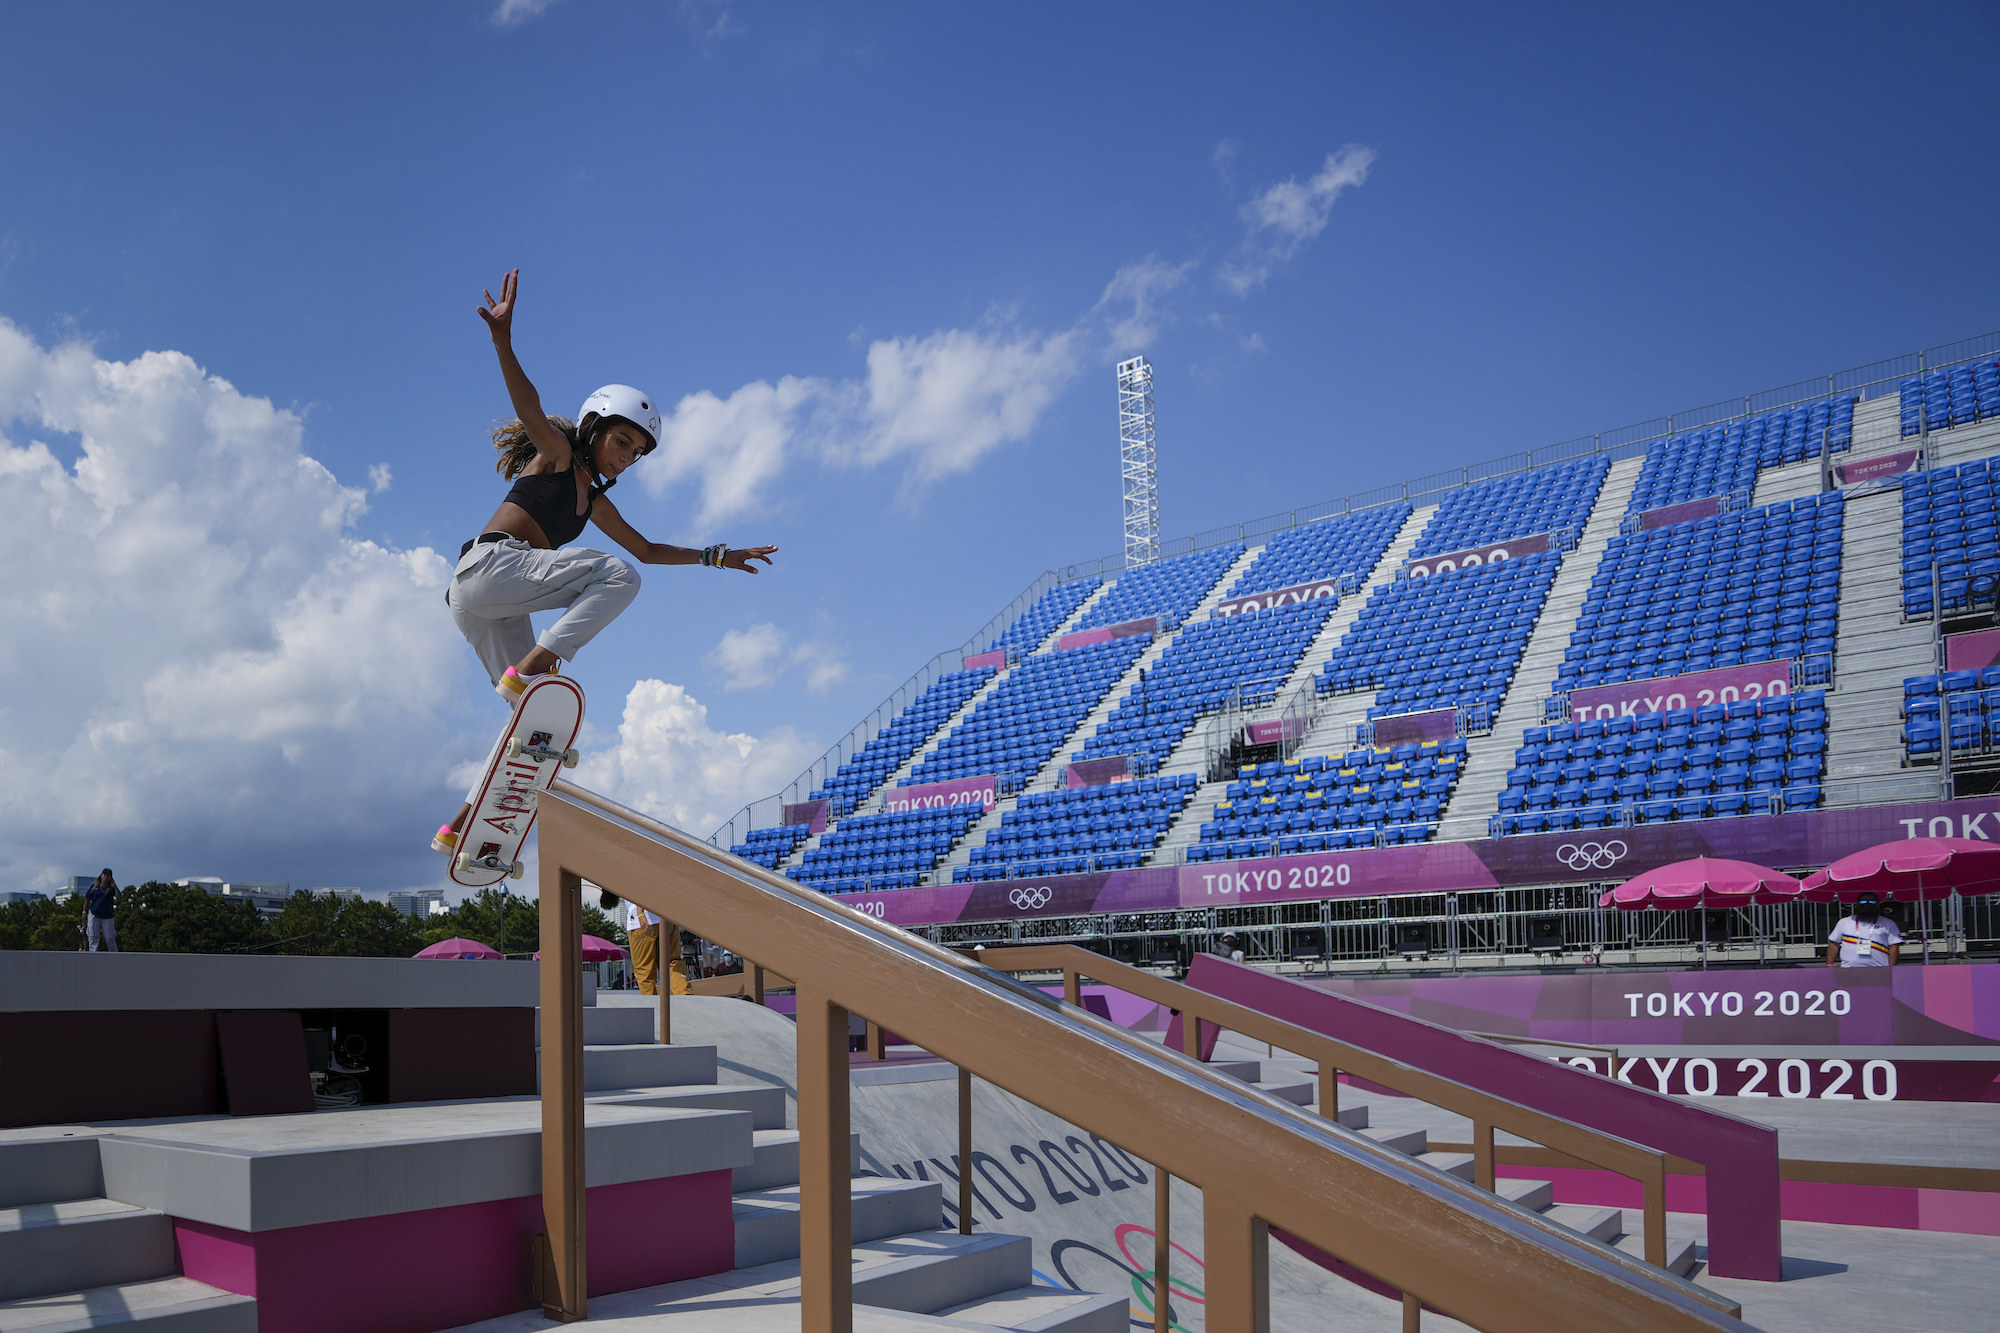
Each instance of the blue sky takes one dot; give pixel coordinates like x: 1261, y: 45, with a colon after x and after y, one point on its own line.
x: 882, y: 259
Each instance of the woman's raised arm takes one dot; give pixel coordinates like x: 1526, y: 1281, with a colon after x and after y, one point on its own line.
x: 550, y: 443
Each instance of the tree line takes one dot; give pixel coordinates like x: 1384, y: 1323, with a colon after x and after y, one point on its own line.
x: 182, y: 918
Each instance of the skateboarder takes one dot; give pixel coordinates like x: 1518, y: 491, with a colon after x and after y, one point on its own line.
x: 522, y: 562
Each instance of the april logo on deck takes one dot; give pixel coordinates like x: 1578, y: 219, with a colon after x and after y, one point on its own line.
x: 1029, y: 900
x: 1591, y: 855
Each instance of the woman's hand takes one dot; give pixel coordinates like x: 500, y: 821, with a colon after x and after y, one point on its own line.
x: 741, y: 559
x: 499, y: 315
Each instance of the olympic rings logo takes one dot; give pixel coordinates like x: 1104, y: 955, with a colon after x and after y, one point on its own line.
x: 1027, y: 900
x: 1592, y: 855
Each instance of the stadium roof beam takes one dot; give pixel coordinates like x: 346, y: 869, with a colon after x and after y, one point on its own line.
x: 1136, y: 462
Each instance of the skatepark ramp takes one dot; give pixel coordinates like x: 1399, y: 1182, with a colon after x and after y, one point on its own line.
x: 1259, y: 1161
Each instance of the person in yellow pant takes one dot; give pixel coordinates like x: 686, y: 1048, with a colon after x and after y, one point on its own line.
x: 642, y: 933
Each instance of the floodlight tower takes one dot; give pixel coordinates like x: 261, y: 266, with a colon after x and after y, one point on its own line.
x: 1136, y: 462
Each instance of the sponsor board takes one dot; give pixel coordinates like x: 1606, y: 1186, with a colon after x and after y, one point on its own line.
x: 983, y: 791
x: 1083, y: 638
x: 812, y: 813
x: 1274, y: 732
x: 1796, y: 840
x: 1721, y: 1073
x: 1264, y: 601
x: 1972, y: 652
x: 1668, y: 515
x: 1875, y: 469
x: 1438, y: 724
x: 1476, y: 556
x: 1096, y: 772
x: 1696, y: 689
x: 995, y: 658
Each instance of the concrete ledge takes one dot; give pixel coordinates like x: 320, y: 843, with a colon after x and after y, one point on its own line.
x: 288, y: 1171
x: 34, y: 980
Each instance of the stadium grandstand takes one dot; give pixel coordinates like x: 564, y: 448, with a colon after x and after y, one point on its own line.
x: 1461, y: 702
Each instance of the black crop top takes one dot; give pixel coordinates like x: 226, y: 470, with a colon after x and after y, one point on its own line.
x: 550, y: 499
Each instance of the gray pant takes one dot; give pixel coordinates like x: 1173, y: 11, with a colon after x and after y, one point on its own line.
x: 497, y: 585
x: 100, y: 931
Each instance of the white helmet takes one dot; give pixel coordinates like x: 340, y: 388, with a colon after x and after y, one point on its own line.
x: 621, y: 400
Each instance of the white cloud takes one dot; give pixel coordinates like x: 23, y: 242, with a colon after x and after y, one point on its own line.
x: 751, y: 658
x: 669, y: 763
x: 205, y: 669
x: 379, y: 478
x: 1142, y: 285
x: 1280, y: 221
x: 748, y: 658
x: 934, y: 405
x: 511, y: 13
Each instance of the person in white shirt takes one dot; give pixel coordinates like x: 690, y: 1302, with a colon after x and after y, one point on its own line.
x: 642, y: 936
x: 1866, y: 938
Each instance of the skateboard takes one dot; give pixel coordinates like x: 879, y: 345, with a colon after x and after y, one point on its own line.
x: 535, y: 747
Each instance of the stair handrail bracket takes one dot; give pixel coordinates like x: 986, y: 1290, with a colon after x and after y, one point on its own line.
x: 1259, y: 1163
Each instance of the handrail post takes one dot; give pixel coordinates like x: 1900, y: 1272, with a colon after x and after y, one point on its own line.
x: 826, y: 1219
x: 663, y: 976
x: 564, y: 1292
x: 1656, y: 1214
x: 1072, y: 987
x: 757, y: 983
x: 964, y: 1151
x: 1163, y: 1253
x: 1482, y: 1154
x: 878, y: 1046
x: 1235, y: 1266
x: 1413, y: 1314
x: 1329, y: 1089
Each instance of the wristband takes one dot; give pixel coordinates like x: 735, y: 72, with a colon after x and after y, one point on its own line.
x: 713, y: 556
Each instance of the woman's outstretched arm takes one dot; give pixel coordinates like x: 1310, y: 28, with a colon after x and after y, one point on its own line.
x: 549, y: 442
x: 606, y: 516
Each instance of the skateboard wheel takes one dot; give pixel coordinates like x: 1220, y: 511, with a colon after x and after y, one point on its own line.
x: 517, y: 869
x: 571, y: 758
x: 514, y: 747
x: 463, y: 861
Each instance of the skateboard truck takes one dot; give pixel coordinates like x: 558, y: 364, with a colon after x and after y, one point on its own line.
x: 468, y: 862
x: 538, y: 749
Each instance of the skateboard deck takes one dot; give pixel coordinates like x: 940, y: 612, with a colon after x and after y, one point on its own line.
x: 535, y: 747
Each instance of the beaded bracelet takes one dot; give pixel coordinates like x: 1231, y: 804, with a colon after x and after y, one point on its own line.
x: 713, y: 556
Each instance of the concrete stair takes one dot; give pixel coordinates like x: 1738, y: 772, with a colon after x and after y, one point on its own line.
x: 1474, y: 801
x: 72, y: 1259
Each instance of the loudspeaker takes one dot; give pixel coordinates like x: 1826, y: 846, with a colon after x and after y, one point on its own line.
x: 1545, y: 934
x: 1413, y: 937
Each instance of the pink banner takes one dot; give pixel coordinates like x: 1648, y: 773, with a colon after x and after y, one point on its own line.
x: 807, y: 812
x: 1724, y: 685
x: 1972, y: 652
x: 1439, y: 724
x: 996, y: 658
x: 982, y: 791
x: 1477, y: 556
x: 1264, y: 601
x: 1083, y: 638
x: 1276, y: 731
x: 1096, y: 772
x: 1874, y: 469
x: 1668, y: 515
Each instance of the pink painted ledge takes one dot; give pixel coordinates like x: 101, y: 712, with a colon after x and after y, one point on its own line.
x: 442, y: 1267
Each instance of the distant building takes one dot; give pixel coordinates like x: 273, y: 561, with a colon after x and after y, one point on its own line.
x: 418, y: 903
x: 267, y: 897
x: 15, y: 896
x: 78, y: 884
x: 348, y: 895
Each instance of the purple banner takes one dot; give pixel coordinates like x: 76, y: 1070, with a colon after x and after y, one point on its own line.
x: 1668, y: 515
x: 982, y: 791
x: 1803, y: 840
x: 1475, y: 557
x: 1439, y: 724
x: 1096, y: 772
x: 1264, y: 601
x: 1972, y: 652
x: 1658, y: 694
x: 1276, y: 731
x: 807, y: 812
x: 1874, y: 469
x: 1083, y: 638
x: 996, y: 658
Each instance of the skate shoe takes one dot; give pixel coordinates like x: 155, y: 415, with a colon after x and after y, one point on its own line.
x: 446, y: 841
x: 513, y: 685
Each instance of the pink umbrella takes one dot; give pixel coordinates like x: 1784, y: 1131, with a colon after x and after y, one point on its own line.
x: 1911, y: 870
x: 456, y: 947
x: 1706, y: 881
x: 597, y: 949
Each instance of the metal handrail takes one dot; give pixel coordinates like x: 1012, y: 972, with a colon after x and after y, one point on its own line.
x: 1260, y: 1162
x: 1486, y: 1111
